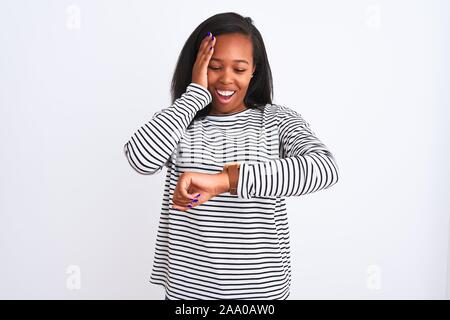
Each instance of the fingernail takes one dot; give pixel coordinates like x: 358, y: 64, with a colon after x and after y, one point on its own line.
x: 189, y: 206
x: 195, y: 200
x: 208, y: 34
x: 195, y: 197
x: 212, y: 38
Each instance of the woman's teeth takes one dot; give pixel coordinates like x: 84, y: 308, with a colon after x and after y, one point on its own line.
x: 225, y: 93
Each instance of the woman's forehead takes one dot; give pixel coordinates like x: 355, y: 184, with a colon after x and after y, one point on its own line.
x: 235, y: 48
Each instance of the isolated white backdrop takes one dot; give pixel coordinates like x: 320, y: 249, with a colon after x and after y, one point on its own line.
x: 77, y: 78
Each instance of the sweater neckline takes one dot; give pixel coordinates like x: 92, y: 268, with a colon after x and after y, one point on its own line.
x: 227, y: 116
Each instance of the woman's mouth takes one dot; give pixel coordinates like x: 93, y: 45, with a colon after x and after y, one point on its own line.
x: 224, y: 96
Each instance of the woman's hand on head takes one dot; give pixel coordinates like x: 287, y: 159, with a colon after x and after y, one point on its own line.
x: 204, y: 54
x: 190, y: 184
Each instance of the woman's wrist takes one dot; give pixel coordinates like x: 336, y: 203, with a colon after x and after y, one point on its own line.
x: 224, y: 183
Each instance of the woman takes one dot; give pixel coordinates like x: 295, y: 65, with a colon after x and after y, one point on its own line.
x: 232, y: 157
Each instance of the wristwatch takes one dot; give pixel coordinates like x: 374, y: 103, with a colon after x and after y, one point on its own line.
x: 232, y: 170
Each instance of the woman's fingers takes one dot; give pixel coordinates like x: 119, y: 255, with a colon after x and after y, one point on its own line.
x: 177, y: 207
x: 181, y: 203
x: 180, y: 195
x: 182, y: 208
x: 189, y: 193
x: 209, y: 51
x: 210, y: 46
x: 206, y: 44
x: 185, y: 187
x: 203, y: 46
x: 200, y: 68
x: 185, y: 206
x: 195, y: 201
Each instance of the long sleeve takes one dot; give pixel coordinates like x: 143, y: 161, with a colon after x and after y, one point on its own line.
x: 150, y: 147
x: 306, y: 165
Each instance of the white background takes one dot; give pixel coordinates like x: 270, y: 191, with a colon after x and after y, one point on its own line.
x: 78, y: 78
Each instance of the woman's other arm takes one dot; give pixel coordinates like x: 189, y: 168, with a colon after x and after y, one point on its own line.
x: 306, y: 166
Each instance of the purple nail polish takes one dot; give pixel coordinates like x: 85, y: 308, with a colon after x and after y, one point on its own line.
x: 197, y: 195
x: 189, y: 206
x: 195, y: 200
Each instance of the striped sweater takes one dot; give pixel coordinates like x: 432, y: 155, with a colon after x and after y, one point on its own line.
x: 232, y: 246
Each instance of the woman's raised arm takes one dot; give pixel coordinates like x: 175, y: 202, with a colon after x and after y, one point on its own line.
x: 150, y: 147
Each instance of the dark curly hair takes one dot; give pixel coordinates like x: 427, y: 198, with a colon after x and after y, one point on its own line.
x: 260, y: 90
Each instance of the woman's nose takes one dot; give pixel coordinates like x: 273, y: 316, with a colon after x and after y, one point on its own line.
x: 227, y: 75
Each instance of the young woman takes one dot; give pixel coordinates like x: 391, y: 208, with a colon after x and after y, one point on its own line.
x: 232, y: 156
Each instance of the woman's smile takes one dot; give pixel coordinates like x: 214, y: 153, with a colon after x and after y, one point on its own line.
x: 224, y: 99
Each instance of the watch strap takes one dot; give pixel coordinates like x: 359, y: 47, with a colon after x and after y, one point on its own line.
x: 232, y: 169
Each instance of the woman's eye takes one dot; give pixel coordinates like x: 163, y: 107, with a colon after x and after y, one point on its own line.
x: 217, y: 68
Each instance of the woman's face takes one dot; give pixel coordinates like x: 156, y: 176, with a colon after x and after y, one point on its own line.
x: 230, y: 69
